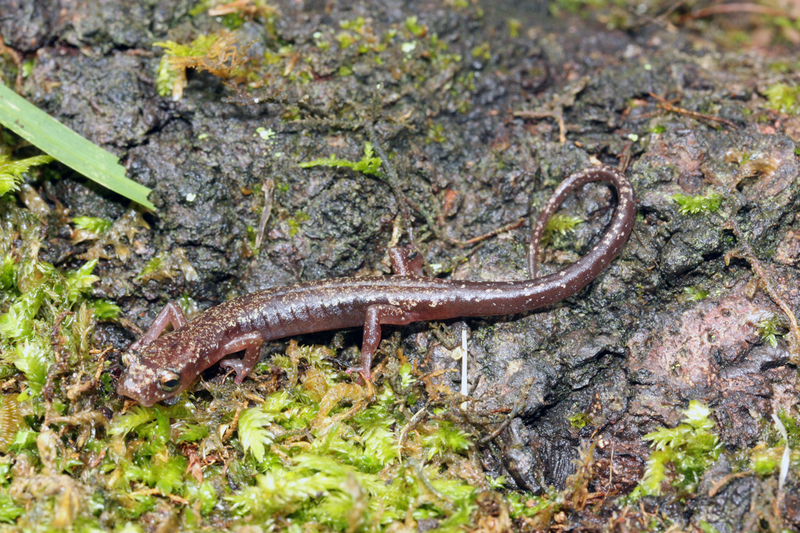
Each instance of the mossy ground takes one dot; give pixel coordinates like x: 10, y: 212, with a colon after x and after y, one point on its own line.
x: 479, y: 110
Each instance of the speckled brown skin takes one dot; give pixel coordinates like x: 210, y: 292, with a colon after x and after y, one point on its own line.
x: 159, y: 367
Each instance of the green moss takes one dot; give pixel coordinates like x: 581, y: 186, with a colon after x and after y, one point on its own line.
x: 705, y: 527
x: 435, y: 134
x: 559, y: 225
x: 93, y: 224
x: 9, y: 510
x: 769, y: 329
x: 579, y: 420
x: 220, y: 54
x: 153, y: 265
x: 693, y: 205
x: 38, y: 300
x: 27, y: 67
x: 439, y: 55
x: 781, y: 67
x: 559, y: 7
x: 782, y: 97
x: 481, y: 51
x: 357, y: 24
x: 191, y: 433
x: 523, y: 504
x: 232, y: 21
x: 339, y: 477
x: 792, y: 428
x: 681, y: 454
x: 105, y: 310
x: 33, y: 359
x: 345, y: 39
x: 11, y: 171
x: 446, y: 438
x: 168, y: 73
x: 256, y: 425
x: 8, y: 271
x: 168, y: 265
x: 695, y: 294
x: 765, y: 462
x: 417, y: 29
x: 296, y: 221
x: 266, y: 134
x: 369, y: 164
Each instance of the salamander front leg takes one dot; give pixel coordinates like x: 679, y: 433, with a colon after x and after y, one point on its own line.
x: 251, y: 344
x: 377, y: 315
x: 172, y: 314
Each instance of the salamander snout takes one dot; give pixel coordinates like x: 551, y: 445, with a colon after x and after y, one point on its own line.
x: 129, y: 388
x: 143, y: 382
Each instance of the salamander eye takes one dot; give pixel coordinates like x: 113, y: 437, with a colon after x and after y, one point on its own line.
x: 169, y: 380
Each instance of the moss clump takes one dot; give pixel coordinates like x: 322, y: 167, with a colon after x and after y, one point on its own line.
x: 782, y: 97
x: 559, y: 225
x: 693, y: 205
x: 681, y: 454
x: 54, y: 380
x: 770, y: 328
x: 220, y: 54
x: 94, y: 225
x: 695, y: 294
x: 369, y: 164
x: 11, y: 171
x: 579, y: 420
x: 317, y: 451
x: 108, y: 240
x: 168, y: 265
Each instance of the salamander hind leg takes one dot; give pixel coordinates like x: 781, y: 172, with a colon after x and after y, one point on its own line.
x: 402, y: 265
x: 251, y: 344
x: 377, y: 315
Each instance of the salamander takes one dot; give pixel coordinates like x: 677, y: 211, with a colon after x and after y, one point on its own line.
x: 158, y: 366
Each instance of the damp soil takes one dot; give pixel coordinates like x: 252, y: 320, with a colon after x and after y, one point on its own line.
x: 470, y: 123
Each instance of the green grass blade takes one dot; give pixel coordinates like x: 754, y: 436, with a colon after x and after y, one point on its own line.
x: 81, y: 155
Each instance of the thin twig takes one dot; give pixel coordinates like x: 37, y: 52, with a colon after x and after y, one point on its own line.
x: 403, y: 201
x: 511, y: 416
x: 413, y: 423
x: 497, y: 231
x: 555, y: 108
x: 232, y: 426
x: 769, y: 287
x: 724, y: 481
x: 269, y: 188
x: 16, y: 58
x: 444, y: 501
x: 557, y: 113
x: 611, y: 466
x: 394, y: 180
x: 76, y: 390
x: 663, y: 16
x: 735, y: 8
x: 666, y: 106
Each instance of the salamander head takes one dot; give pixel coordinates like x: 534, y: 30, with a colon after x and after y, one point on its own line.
x: 156, y: 371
